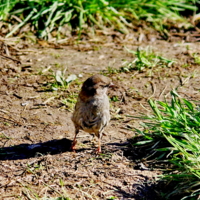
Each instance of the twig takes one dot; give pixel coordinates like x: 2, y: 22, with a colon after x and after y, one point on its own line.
x: 153, y: 88
x: 163, y: 91
x: 48, y: 100
x: 15, y: 60
x: 11, y: 120
x: 144, y: 107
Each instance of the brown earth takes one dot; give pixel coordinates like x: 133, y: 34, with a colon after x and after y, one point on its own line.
x: 36, y: 129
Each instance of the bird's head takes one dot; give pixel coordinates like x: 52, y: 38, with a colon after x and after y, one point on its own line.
x: 95, y: 85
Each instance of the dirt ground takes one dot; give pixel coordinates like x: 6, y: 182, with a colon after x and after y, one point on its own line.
x: 36, y: 127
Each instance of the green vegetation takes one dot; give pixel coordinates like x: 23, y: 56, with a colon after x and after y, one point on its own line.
x: 45, y: 17
x: 173, y: 133
x: 146, y: 59
x: 70, y: 101
x: 196, y: 58
x: 60, y: 81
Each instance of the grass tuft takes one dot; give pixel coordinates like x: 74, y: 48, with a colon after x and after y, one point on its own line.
x: 173, y: 132
x: 60, y: 81
x: 146, y: 59
x: 46, y: 17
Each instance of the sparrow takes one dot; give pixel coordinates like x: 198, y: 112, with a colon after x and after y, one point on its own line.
x: 91, y: 113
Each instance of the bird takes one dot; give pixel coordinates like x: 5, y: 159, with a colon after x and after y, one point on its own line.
x: 91, y: 113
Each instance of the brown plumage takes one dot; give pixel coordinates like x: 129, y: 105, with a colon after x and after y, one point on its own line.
x: 91, y: 113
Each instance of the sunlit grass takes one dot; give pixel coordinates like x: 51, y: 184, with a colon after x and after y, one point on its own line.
x: 172, y: 133
x: 59, y: 80
x: 45, y: 17
x: 146, y: 59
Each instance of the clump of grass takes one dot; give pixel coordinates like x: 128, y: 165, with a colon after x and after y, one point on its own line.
x: 186, y: 159
x: 173, y: 132
x: 196, y: 58
x: 146, y: 59
x: 45, y: 17
x: 61, y: 81
x: 70, y: 101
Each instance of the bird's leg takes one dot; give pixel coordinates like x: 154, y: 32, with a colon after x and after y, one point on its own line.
x: 99, y: 143
x: 99, y: 146
x: 74, y: 141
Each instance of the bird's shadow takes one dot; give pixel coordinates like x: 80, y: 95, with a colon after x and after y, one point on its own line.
x: 25, y: 151
x: 52, y: 147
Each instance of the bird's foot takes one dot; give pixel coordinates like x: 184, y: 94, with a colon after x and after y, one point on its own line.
x: 73, y: 146
x: 98, y: 150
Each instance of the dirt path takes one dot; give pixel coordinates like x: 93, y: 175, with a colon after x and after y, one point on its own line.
x: 36, y: 130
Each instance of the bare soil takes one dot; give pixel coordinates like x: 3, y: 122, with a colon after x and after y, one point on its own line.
x: 37, y: 131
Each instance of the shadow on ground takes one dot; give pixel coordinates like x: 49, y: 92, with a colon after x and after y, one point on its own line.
x: 25, y: 151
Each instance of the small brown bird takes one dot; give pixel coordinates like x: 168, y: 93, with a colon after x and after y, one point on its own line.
x: 91, y: 113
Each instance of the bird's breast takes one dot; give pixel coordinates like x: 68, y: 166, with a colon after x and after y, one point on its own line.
x: 92, y: 116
